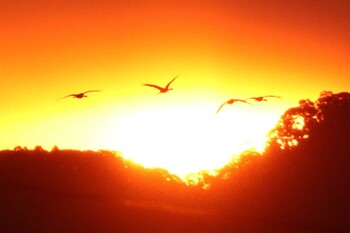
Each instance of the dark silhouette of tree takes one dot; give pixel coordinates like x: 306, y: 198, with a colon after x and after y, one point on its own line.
x: 299, y: 188
x: 20, y: 149
x: 38, y: 149
x: 334, y: 108
x: 296, y: 123
x: 55, y: 149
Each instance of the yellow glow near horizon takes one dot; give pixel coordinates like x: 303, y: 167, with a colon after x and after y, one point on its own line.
x: 191, y: 138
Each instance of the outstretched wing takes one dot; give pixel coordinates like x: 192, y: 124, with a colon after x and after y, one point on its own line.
x: 222, y: 105
x: 272, y: 96
x: 167, y: 86
x: 253, y: 98
x: 91, y: 91
x: 244, y: 101
x: 152, y: 85
x: 65, y: 96
x: 231, y: 101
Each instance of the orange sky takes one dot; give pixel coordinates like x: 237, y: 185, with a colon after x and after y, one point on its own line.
x: 219, y: 49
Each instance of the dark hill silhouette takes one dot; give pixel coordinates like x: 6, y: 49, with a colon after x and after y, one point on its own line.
x: 300, y: 188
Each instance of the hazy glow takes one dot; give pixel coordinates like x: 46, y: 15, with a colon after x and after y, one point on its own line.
x: 298, y: 123
x: 190, y: 139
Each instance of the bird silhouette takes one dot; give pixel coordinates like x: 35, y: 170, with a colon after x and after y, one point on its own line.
x: 262, y: 98
x: 79, y: 95
x: 231, y: 101
x: 162, y: 89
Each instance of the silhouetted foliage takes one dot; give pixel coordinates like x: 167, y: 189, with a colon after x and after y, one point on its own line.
x: 296, y: 123
x: 39, y: 149
x: 55, y: 149
x: 305, y: 188
x: 19, y: 148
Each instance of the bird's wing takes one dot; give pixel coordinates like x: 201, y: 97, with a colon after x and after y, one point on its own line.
x: 244, y: 101
x: 91, y: 91
x: 272, y: 96
x: 66, y: 96
x: 171, y: 82
x: 153, y: 85
x: 222, y: 105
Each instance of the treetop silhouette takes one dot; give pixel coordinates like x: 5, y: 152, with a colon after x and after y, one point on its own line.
x: 297, y: 123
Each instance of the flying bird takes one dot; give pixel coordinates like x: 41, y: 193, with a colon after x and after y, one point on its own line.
x: 162, y: 89
x: 262, y: 98
x: 231, y: 101
x: 79, y: 95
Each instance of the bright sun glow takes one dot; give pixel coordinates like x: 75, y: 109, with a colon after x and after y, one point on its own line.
x: 299, y: 122
x: 190, y: 139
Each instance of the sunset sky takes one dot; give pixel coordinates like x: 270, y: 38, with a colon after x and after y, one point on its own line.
x: 220, y: 50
